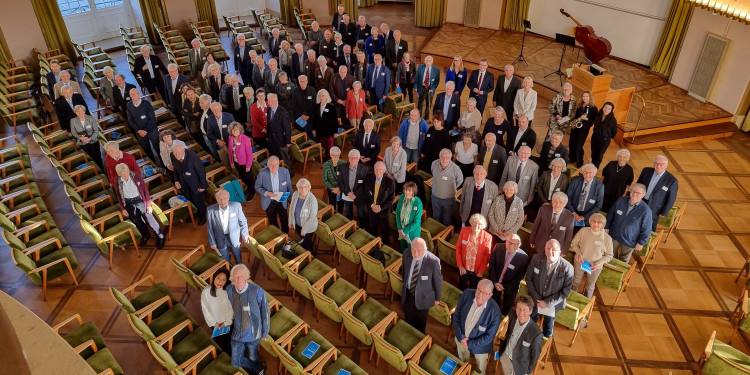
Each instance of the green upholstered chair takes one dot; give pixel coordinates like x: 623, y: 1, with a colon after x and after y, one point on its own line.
x: 577, y: 310
x: 374, y: 268
x: 282, y: 321
x: 14, y: 166
x: 199, y: 273
x: 150, y: 326
x: 275, y: 260
x: 20, y: 195
x: 29, y: 230
x: 741, y: 314
x: 167, y: 217
x: 431, y: 361
x: 616, y: 275
x: 41, y: 269
x: 334, y: 365
x: 363, y: 315
x: 118, y: 236
x: 305, y: 271
x: 446, y: 249
x: 672, y: 220
x: 431, y: 230
x: 329, y: 293
x: 399, y: 343
x: 427, y: 179
x: 17, y: 181
x: 649, y: 250
x: 335, y: 223
x: 395, y: 279
x: 381, y: 120
x: 102, y: 219
x: 263, y: 234
x: 443, y: 312
x: 155, y: 294
x: 343, y: 139
x: 396, y: 106
x: 719, y: 358
x: 37, y: 246
x: 29, y: 211
x: 290, y: 350
x: 184, y: 340
x: 96, y: 207
x: 89, y: 343
x: 325, y: 210
x: 207, y: 361
x: 304, y: 151
x: 352, y: 242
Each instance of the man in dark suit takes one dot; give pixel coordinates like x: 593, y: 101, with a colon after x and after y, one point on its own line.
x: 242, y: 62
x: 505, y: 91
x: 522, y: 346
x: 423, y: 283
x: 279, y: 131
x: 376, y: 83
x: 394, y: 53
x: 274, y: 43
x: 142, y: 120
x: 367, y: 142
x: 553, y: 221
x: 196, y: 59
x: 190, y: 178
x: 585, y: 195
x: 523, y: 135
x: 121, y: 94
x: 151, y: 70
x: 661, y: 189
x: 362, y: 32
x: 258, y: 76
x: 216, y: 131
x: 475, y: 321
x: 507, y: 267
x: 523, y: 171
x: 172, y: 83
x: 549, y: 279
x: 493, y: 157
x: 338, y: 87
x: 325, y: 46
x: 450, y: 104
x: 65, y: 104
x: 552, y: 150
x: 298, y: 62
x: 480, y: 84
x: 351, y: 183
x: 271, y: 76
x: 348, y: 31
x: 338, y: 17
x: 53, y: 76
x: 233, y: 97
x: 426, y: 82
x: 346, y: 59
x: 379, y: 193
x: 303, y: 103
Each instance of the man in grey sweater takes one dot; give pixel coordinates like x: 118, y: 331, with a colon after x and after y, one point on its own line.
x: 446, y: 178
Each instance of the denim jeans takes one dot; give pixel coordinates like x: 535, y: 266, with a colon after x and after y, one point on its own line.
x: 547, y: 325
x: 442, y: 209
x: 252, y: 361
x: 412, y: 155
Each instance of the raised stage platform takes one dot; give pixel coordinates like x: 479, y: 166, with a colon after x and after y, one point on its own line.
x: 670, y: 115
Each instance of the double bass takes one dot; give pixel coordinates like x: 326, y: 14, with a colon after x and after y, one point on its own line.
x: 595, y: 48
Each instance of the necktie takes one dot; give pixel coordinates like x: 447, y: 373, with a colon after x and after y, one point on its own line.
x: 478, y: 187
x: 347, y: 62
x: 505, y: 267
x: 582, y: 200
x: 242, y: 54
x: 236, y: 98
x: 479, y: 83
x: 367, y: 139
x: 273, y: 112
x: 427, y: 77
x: 375, y: 76
x: 414, y: 277
x: 70, y: 101
x: 377, y: 190
x: 553, y: 223
x: 518, y: 172
x: 221, y: 133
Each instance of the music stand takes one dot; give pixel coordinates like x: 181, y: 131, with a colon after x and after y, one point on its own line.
x: 520, y: 58
x: 565, y: 40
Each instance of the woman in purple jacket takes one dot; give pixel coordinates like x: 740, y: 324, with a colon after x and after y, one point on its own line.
x: 241, y: 157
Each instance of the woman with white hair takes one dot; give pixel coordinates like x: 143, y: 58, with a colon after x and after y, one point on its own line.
x: 497, y: 125
x: 525, y: 102
x: 135, y: 204
x: 356, y: 105
x: 331, y: 178
x: 470, y: 120
x: 303, y: 213
x: 562, y: 110
x: 106, y: 86
x: 617, y: 176
x: 325, y: 120
x: 594, y: 246
x: 473, y: 252
x: 85, y: 130
x: 506, y: 212
x: 395, y: 162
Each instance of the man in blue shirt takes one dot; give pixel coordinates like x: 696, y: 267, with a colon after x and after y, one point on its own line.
x: 629, y: 223
x: 475, y: 321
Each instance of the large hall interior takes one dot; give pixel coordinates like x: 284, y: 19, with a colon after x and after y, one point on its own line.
x: 86, y: 287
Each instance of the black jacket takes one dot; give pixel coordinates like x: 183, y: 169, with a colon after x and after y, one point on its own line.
x: 385, y: 193
x: 303, y: 102
x: 122, y: 101
x: 190, y: 173
x: 560, y: 152
x: 527, y: 139
x: 359, y: 182
x: 371, y: 149
x: 327, y: 124
x: 65, y: 112
x: 279, y: 128
x: 454, y: 111
x: 505, y: 98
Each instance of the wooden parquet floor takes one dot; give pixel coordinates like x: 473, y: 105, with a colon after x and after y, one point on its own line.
x: 659, y: 326
x: 666, y: 104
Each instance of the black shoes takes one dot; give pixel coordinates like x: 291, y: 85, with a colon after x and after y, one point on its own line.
x: 201, y: 221
x: 160, y: 242
x: 144, y: 241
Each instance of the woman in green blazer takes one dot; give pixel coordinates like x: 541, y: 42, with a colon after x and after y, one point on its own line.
x: 408, y: 215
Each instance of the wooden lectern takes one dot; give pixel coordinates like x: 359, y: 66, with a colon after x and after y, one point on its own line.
x: 582, y: 80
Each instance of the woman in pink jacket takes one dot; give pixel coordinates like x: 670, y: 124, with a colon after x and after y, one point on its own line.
x: 240, y: 151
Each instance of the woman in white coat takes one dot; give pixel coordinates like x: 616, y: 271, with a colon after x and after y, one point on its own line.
x: 217, y: 310
x: 525, y: 103
x: 303, y: 213
x: 395, y: 163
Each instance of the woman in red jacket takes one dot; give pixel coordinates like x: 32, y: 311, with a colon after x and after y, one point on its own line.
x: 473, y: 252
x: 240, y: 150
x: 258, y: 118
x: 356, y: 105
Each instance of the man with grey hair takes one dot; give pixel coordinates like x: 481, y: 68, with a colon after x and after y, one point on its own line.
x: 379, y: 194
x: 338, y: 87
x: 66, y: 81
x: 227, y: 227
x: 450, y: 104
x: 629, y: 223
x: 271, y: 76
x: 492, y: 156
x: 252, y: 319
x: 553, y: 221
x: 426, y: 82
x: 423, y: 283
x: 205, y: 101
x: 196, y: 59
x: 661, y: 189
x: 217, y: 131
x: 190, y: 178
x: 446, y: 178
x: 151, y: 70
x: 351, y: 183
x: 362, y: 32
x: 233, y: 96
x: 142, y: 120
x: 524, y: 172
x: 505, y: 90
x: 480, y: 83
x: 552, y: 149
x: 298, y: 63
x: 508, y: 264
x: 272, y: 183
x: 477, y: 195
x: 114, y: 157
x: 279, y: 131
x: 274, y: 44
x: 549, y: 279
x: 121, y: 94
x: 172, y: 83
x: 412, y: 133
x: 242, y: 59
x: 475, y: 322
x: 323, y: 74
x: 314, y: 36
x: 258, y: 76
x: 303, y: 104
x: 586, y: 195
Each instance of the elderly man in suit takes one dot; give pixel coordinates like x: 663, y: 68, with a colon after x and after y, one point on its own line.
x: 508, y: 264
x: 274, y: 43
x: 272, y: 183
x: 271, y: 76
x: 142, y: 120
x: 551, y: 182
x: 121, y: 94
x: 242, y: 60
x: 585, y: 195
x: 190, y: 178
x: 523, y: 171
x: 107, y: 86
x: 412, y: 132
x: 172, y: 83
x: 258, y: 74
x: 450, y: 104
x: 522, y: 346
x: 553, y: 222
x: 227, y: 227
x: 65, y: 81
x: 394, y: 52
x: 379, y: 194
x: 475, y: 321
x: 338, y: 87
x: 367, y: 142
x: 216, y: 131
x: 426, y: 82
x: 65, y: 105
x: 520, y: 136
x: 551, y: 150
x: 477, y: 195
x: 303, y: 103
x: 233, y: 97
x: 298, y: 62
x: 492, y: 157
x: 505, y: 90
x: 423, y: 283
x: 549, y: 279
x: 279, y: 131
x: 151, y: 69
x: 53, y: 76
x: 629, y: 223
x: 480, y: 84
x: 351, y: 183
x: 196, y: 59
x: 376, y: 83
x: 661, y: 189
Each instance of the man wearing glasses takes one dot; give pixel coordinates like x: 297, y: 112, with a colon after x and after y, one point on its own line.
x: 661, y: 189
x: 475, y: 322
x: 629, y: 223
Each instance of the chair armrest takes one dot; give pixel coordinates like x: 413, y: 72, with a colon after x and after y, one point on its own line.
x: 93, y: 202
x: 78, y: 172
x: 323, y: 212
x: 298, y: 136
x: 190, y: 365
x: 612, y: 268
x: 36, y: 248
x: 296, y: 262
x: 168, y: 337
x: 263, y: 223
x: 256, y: 155
x: 28, y: 192
x: 316, y: 366
x: 113, y: 236
x: 100, y: 221
x: 379, y: 328
x: 131, y: 289
x: 286, y: 338
x: 69, y: 319
x: 349, y: 304
x: 8, y: 180
x: 88, y: 344
x: 147, y: 311
x: 184, y: 259
x: 370, y: 245
x: 48, y: 265
x: 416, y: 352
x: 25, y: 230
x: 323, y: 280
x: 17, y: 213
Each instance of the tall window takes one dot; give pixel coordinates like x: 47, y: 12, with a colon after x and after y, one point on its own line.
x: 68, y: 7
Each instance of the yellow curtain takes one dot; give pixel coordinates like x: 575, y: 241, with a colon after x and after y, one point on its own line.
x: 367, y: 3
x: 154, y: 12
x: 287, y: 12
x: 515, y: 12
x: 429, y: 13
x: 5, y: 55
x: 207, y: 12
x: 350, y: 8
x: 53, y: 27
x: 672, y: 36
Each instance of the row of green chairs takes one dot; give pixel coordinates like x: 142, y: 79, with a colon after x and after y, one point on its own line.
x: 209, y: 39
x: 305, y: 18
x: 88, y: 341
x: 16, y: 103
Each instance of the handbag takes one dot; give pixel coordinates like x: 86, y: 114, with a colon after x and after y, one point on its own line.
x: 379, y: 255
x: 287, y: 250
x: 235, y: 191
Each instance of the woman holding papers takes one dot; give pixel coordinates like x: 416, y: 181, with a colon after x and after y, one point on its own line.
x: 408, y: 215
x: 85, y: 130
x: 303, y: 213
x: 473, y: 252
x: 217, y: 310
x: 593, y: 247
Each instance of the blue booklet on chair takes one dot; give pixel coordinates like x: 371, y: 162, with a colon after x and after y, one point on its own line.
x: 454, y: 132
x: 586, y: 266
x: 398, y: 89
x: 343, y: 372
x: 579, y: 223
x: 220, y: 331
x: 82, y: 166
x: 311, y: 349
x: 448, y: 366
x: 116, y: 135
x: 148, y: 170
